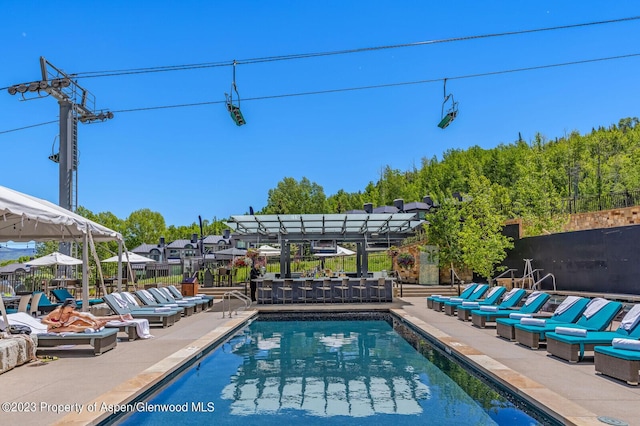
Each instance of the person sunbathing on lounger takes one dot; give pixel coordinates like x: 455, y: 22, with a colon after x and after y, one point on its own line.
x: 65, y: 318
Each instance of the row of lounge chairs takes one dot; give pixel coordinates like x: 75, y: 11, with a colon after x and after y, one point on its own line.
x: 158, y: 306
x: 576, y: 326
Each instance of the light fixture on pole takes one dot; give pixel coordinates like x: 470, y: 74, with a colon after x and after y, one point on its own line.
x: 75, y: 104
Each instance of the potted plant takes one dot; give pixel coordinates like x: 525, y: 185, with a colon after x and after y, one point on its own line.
x: 405, y: 260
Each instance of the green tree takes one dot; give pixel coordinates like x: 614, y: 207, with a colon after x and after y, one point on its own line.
x: 443, y: 230
x: 482, y: 243
x: 293, y: 197
x: 143, y: 226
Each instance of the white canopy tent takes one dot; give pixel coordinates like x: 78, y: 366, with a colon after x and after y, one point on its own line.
x: 25, y: 218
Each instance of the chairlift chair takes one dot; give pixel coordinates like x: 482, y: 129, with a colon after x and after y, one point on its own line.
x: 233, y: 109
x: 452, y: 111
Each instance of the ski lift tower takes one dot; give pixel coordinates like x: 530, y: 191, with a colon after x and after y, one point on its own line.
x: 76, y: 104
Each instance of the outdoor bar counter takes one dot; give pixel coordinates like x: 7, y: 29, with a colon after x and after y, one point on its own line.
x: 323, y: 290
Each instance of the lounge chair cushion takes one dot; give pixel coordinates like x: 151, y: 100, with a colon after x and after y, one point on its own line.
x: 625, y: 354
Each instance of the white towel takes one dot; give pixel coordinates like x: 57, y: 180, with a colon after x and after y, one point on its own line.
x: 510, y: 294
x: 435, y: 296
x: 566, y: 304
x: 23, y: 318
x: 166, y: 292
x: 532, y: 297
x: 149, y: 296
x: 142, y: 326
x: 631, y: 319
x: 493, y: 290
x: 456, y: 299
x: 594, y: 306
x: 572, y: 331
x: 162, y: 309
x: 445, y: 297
x: 470, y: 304
x: 132, y: 300
x: 518, y: 315
x: 489, y: 308
x: 120, y: 301
x: 629, y: 344
x: 480, y: 288
x: 533, y: 321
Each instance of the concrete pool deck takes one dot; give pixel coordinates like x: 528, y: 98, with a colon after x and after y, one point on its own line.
x: 63, y: 391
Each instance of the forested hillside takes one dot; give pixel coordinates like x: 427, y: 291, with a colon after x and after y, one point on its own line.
x: 534, y: 179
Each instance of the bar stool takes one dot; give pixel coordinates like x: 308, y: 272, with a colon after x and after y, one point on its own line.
x: 324, y: 287
x: 287, y: 290
x: 380, y: 290
x: 305, y: 288
x: 265, y: 291
x: 343, y: 287
x: 360, y: 286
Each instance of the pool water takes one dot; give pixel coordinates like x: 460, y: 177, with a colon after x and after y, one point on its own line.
x: 320, y: 372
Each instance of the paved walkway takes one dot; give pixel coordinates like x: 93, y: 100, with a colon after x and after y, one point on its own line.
x: 78, y: 377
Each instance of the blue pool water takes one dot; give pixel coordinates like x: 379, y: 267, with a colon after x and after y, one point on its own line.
x: 320, y: 372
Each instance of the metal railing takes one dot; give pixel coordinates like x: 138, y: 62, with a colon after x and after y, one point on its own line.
x: 238, y: 295
x: 536, y: 285
x: 614, y: 200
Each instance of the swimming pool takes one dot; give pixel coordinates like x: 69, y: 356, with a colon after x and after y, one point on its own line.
x: 343, y: 371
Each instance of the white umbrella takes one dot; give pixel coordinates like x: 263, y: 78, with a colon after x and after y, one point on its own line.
x: 55, y: 258
x: 268, y: 251
x: 341, y: 251
x: 133, y: 258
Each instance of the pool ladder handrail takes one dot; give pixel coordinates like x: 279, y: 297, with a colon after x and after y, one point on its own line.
x: 238, y: 295
x: 553, y: 280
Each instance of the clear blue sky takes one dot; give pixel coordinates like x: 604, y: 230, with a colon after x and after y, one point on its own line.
x: 186, y: 162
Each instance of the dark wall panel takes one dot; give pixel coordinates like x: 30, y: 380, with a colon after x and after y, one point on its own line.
x: 599, y: 260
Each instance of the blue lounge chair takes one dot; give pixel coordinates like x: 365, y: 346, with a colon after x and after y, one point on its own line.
x: 23, y: 305
x: 132, y: 303
x: 149, y: 301
x: 200, y: 304
x: 534, y: 302
x: 506, y: 321
x: 478, y: 289
x: 509, y: 300
x: 465, y: 293
x: 572, y: 348
x: 178, y: 296
x: 62, y: 294
x: 452, y: 304
x: 533, y: 335
x: 101, y: 341
x: 155, y: 316
x: 162, y: 297
x: 619, y: 363
x: 45, y: 305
